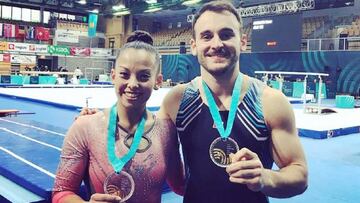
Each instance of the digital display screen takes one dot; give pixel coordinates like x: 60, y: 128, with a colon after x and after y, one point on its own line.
x: 277, y: 33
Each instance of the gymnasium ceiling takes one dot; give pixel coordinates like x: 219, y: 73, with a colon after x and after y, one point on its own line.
x: 138, y: 6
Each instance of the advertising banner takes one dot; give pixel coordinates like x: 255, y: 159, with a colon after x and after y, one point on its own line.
x: 20, y: 47
x: 23, y: 59
x: 58, y: 50
x: 38, y: 48
x: 67, y: 36
x: 100, y: 52
x: 78, y: 51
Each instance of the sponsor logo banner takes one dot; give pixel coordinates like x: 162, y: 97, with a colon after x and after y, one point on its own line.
x: 23, y: 59
x: 59, y: 50
x: 39, y: 48
x: 77, y: 51
x: 21, y: 47
x: 100, y: 52
x: 67, y: 36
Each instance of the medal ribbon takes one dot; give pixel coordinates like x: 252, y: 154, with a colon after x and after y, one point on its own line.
x: 233, y: 106
x: 119, y: 163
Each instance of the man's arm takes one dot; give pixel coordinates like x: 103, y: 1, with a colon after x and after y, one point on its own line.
x: 291, y: 178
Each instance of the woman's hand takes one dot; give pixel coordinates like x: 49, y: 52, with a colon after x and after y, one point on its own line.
x: 87, y: 111
x: 104, y: 198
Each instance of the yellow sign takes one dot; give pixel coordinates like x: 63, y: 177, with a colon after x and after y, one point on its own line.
x: 3, y: 46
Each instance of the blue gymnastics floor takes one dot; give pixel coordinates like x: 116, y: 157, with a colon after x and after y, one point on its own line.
x: 334, y: 164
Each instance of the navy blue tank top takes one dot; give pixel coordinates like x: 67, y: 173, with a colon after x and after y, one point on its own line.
x: 207, y: 182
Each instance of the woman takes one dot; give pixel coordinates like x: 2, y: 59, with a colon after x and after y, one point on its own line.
x: 123, y: 153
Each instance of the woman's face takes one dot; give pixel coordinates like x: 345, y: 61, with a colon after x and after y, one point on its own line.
x: 134, y: 77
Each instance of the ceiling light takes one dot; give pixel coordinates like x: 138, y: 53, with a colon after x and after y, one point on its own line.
x: 190, y: 2
x: 94, y: 11
x: 151, y: 1
x: 122, y: 12
x: 82, y: 2
x: 118, y: 7
x: 154, y: 9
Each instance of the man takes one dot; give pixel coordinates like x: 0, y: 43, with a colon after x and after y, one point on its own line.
x: 232, y: 165
x: 78, y: 73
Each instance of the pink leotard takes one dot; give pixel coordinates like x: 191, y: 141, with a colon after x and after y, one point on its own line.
x: 84, y: 154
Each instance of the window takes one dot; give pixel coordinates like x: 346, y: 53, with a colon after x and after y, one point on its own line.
x: 6, y: 12
x: 62, y: 16
x: 70, y: 17
x: 16, y: 13
x: 26, y: 15
x: 35, y: 16
x: 111, y: 43
x: 46, y: 17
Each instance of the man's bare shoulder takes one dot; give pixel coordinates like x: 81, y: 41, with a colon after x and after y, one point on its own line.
x: 276, y: 106
x: 177, y: 90
x: 171, y: 102
x: 271, y: 95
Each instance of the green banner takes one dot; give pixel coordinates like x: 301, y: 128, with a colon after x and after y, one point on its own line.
x: 59, y: 50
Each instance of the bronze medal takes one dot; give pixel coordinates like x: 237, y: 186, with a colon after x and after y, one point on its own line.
x: 120, y: 184
x: 220, y: 150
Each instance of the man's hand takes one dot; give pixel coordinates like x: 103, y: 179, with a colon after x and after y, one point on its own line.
x: 87, y: 111
x: 104, y: 198
x: 246, y: 168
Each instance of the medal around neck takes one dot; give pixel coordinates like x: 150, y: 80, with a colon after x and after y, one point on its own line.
x: 120, y: 182
x: 221, y: 148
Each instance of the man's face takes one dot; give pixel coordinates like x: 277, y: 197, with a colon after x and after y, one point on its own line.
x: 217, y: 42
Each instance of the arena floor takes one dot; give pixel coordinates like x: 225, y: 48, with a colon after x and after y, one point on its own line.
x: 46, y: 113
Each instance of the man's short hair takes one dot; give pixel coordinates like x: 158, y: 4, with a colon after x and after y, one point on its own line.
x: 217, y: 7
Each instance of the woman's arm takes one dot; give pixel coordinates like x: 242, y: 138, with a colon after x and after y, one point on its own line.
x: 72, y: 166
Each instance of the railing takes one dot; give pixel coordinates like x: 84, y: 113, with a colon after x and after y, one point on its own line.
x: 331, y: 44
x: 323, y: 44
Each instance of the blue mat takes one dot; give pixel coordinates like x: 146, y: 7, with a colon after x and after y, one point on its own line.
x: 9, y: 85
x: 26, y: 162
x: 328, y: 133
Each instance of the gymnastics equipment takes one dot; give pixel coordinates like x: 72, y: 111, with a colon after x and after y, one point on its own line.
x: 91, y: 73
x: 8, y: 112
x: 307, y: 109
